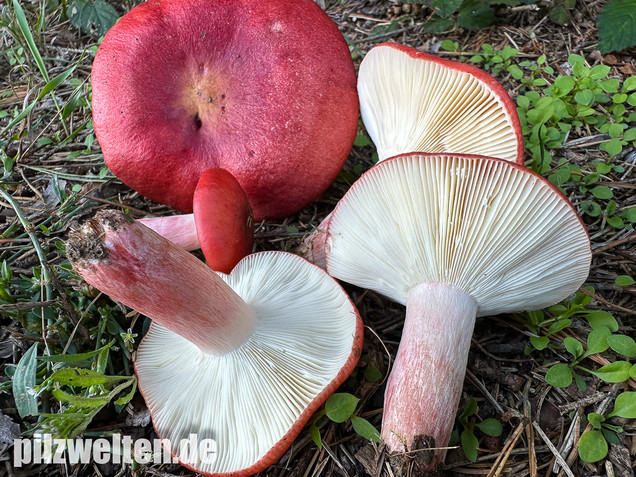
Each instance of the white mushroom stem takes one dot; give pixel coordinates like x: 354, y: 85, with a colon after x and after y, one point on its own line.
x: 179, y: 229
x: 425, y: 384
x: 134, y: 265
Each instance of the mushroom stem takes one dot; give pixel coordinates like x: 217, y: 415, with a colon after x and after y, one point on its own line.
x: 425, y: 384
x: 131, y: 263
x: 313, y: 246
x: 179, y: 229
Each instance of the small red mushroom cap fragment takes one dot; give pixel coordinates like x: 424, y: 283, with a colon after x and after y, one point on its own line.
x: 223, y: 220
x: 412, y: 101
x: 265, y: 89
x: 452, y: 237
x: 244, y: 359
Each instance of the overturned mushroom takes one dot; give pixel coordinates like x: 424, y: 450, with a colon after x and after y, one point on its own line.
x: 243, y: 359
x: 452, y: 237
x: 414, y: 102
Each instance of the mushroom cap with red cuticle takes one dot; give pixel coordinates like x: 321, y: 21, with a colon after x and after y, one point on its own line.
x: 254, y: 400
x: 265, y: 89
x: 415, y: 102
x: 492, y: 228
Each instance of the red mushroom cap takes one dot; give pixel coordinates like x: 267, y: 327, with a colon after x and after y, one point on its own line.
x: 265, y: 89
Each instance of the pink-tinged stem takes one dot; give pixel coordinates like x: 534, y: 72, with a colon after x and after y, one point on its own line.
x: 179, y: 229
x: 313, y: 247
x: 425, y: 384
x: 134, y: 265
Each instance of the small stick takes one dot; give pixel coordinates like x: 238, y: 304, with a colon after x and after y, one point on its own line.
x: 500, y: 462
x: 554, y: 450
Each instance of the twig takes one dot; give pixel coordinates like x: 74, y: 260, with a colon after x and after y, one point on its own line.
x: 616, y: 243
x: 608, y: 303
x: 485, y: 392
x: 500, y: 462
x: 30, y: 305
x: 554, y: 450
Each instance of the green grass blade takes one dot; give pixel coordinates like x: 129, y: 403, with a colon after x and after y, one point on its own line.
x: 48, y: 87
x: 26, y: 33
x: 23, y: 383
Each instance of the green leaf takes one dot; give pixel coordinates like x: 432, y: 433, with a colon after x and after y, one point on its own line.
x: 624, y: 405
x: 600, y: 319
x: 445, y: 8
x: 632, y: 372
x: 469, y: 445
x: 615, y: 130
x: 602, y: 192
x: 629, y: 214
x: 630, y: 135
x: 610, y: 85
x: 470, y: 407
x: 565, y: 84
x: 83, y: 378
x: 615, y: 372
x: 592, y: 446
x: 585, y: 97
x: 629, y: 84
x: 340, y: 406
x: 595, y: 419
x: 539, y: 342
x: 597, y: 340
x: 599, y: 71
x: 558, y: 14
x: 490, y: 427
x: 74, y: 358
x: 315, y: 435
x: 559, y: 325
x: 612, y: 147
x: 92, y: 17
x: 622, y: 344
x: 372, y: 374
x: 24, y: 382
x: 475, y: 15
x: 361, y: 140
x: 580, y: 383
x: 591, y: 208
x: 559, y: 376
x: 624, y: 281
x: 125, y: 399
x: 80, y: 401
x: 574, y: 346
x: 365, y: 429
x: 617, y: 26
x: 610, y: 435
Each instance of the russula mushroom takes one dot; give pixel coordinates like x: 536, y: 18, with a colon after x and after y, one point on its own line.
x: 452, y: 237
x: 221, y: 225
x: 265, y: 89
x: 244, y: 359
x: 415, y: 102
